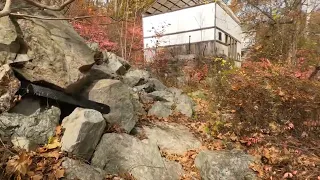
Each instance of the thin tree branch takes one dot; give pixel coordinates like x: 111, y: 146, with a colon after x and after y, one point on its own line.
x: 6, y: 10
x: 53, y: 8
x: 263, y: 12
x: 49, y: 18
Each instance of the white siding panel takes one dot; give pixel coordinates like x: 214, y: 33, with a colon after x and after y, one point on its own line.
x: 183, y: 38
x: 226, y: 23
x: 181, y: 20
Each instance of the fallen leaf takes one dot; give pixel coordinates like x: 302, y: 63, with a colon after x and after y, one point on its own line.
x: 233, y: 137
x: 37, y: 177
x: 19, y: 164
x: 53, y: 143
x: 58, y: 131
x: 287, y: 175
x: 53, y: 154
x: 59, y: 173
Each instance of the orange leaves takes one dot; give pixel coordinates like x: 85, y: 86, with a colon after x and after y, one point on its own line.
x: 45, y: 163
x: 19, y: 164
x: 187, y: 162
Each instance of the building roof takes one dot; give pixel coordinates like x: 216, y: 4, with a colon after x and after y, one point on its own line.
x: 164, y: 6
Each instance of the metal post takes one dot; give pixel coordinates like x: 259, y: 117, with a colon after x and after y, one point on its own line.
x: 189, y: 44
x: 215, y: 28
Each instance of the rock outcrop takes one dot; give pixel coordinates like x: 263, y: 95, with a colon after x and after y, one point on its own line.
x: 224, y: 165
x: 75, y: 169
x: 51, y: 51
x: 136, y: 77
x: 121, y: 153
x: 117, y: 95
x: 36, y: 128
x: 171, y: 137
x: 160, y: 109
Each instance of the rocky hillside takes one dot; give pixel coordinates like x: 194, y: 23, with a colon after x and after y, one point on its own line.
x: 135, y: 140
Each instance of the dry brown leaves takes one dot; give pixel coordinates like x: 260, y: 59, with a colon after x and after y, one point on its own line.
x: 187, y: 162
x: 44, y: 163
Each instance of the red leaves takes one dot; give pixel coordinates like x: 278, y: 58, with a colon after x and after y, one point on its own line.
x: 95, y: 33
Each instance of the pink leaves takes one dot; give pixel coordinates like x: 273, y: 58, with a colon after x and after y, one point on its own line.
x: 93, y: 32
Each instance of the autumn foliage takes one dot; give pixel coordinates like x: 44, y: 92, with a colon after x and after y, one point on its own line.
x: 117, y: 32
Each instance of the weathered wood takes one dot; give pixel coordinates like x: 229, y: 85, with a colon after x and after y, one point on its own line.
x: 29, y: 88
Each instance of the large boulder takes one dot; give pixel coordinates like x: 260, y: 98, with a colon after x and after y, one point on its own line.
x: 158, y: 85
x: 171, y: 137
x: 56, y: 53
x: 75, y: 169
x: 120, y: 99
x: 8, y: 44
x: 165, y: 96
x: 9, y: 85
x: 184, y: 105
x: 83, y: 130
x: 224, y: 165
x: 122, y: 153
x: 160, y: 109
x: 174, y: 96
x: 38, y: 127
x: 151, y: 85
x: 136, y: 77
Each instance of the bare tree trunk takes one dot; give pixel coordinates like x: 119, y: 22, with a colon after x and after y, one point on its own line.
x: 292, y: 53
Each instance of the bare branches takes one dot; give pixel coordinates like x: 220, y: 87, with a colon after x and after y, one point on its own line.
x: 6, y: 10
x: 49, y: 18
x: 53, y: 8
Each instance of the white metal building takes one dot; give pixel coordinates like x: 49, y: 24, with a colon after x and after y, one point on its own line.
x: 192, y: 27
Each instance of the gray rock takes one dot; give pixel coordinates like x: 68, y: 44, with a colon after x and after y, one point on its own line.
x: 171, y: 137
x: 160, y: 109
x: 8, y: 36
x: 113, y: 57
x: 23, y: 143
x: 224, y: 165
x: 27, y: 106
x: 116, y: 64
x: 162, y: 96
x: 158, y: 85
x: 175, y: 91
x: 93, y: 46
x: 9, y: 85
x: 8, y: 32
x: 138, y: 107
x: 136, y: 77
x: 176, y: 170
x: 75, y: 169
x: 148, y: 87
x: 184, y: 104
x: 37, y: 127
x: 145, y: 98
x: 59, y: 54
x: 83, y: 130
x: 122, y: 153
x: 118, y: 96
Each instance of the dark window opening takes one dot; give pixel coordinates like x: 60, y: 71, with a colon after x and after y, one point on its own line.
x: 220, y: 36
x: 227, y: 37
